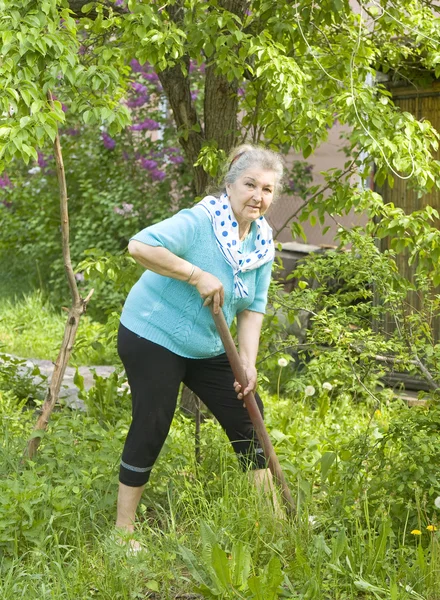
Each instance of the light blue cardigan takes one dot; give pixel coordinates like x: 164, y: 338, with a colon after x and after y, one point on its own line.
x: 170, y: 312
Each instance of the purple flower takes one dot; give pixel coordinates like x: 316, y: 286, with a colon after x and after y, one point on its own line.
x: 72, y: 131
x: 158, y: 175
x: 42, y: 162
x: 137, y: 102
x: 63, y: 107
x: 119, y: 2
x: 79, y: 276
x: 148, y: 124
x: 5, y: 181
x: 82, y: 50
x: 151, y: 76
x: 108, y: 142
x: 136, y: 66
x: 148, y: 164
x: 240, y: 91
x: 176, y: 159
x: 139, y: 88
x: 194, y: 94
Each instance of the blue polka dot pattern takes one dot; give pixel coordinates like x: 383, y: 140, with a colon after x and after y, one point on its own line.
x: 226, y: 233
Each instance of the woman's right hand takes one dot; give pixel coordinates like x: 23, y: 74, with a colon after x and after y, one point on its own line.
x: 210, y: 289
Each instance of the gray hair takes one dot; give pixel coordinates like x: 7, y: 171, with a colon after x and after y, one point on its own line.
x: 246, y: 157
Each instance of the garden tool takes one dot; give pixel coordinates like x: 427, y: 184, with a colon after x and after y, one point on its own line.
x: 253, y: 410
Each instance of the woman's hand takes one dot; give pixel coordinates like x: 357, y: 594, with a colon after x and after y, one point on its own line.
x: 251, y: 374
x: 210, y: 289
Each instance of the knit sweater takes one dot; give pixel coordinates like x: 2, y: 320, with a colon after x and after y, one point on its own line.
x: 170, y: 312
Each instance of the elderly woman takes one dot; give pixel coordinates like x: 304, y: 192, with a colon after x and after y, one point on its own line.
x: 220, y: 252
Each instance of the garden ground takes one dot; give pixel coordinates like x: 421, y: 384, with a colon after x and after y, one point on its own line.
x: 363, y: 528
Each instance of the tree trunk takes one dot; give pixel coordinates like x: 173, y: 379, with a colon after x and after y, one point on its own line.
x: 221, y: 100
x: 78, y: 308
x: 177, y: 89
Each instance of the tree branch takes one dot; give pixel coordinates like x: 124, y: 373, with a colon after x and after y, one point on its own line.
x: 318, y: 193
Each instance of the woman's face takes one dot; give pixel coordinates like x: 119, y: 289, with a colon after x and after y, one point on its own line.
x: 251, y: 194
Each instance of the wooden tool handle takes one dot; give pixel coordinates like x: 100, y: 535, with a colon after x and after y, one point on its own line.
x: 253, y: 410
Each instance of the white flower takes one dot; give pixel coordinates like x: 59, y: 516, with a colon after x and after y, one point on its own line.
x: 282, y: 362
x: 327, y: 385
x: 34, y: 170
x: 309, y: 391
x: 437, y: 502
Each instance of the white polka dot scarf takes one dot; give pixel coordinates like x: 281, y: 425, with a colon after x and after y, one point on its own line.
x: 226, y: 233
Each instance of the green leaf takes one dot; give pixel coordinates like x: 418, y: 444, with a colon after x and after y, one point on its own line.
x: 327, y: 460
x: 339, y: 544
x: 241, y: 564
x: 220, y: 565
x: 153, y: 585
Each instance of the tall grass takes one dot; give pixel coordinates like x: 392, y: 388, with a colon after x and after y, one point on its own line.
x: 30, y: 327
x: 206, y: 531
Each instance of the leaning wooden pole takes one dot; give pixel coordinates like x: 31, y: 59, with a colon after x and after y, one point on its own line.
x: 77, y: 308
x: 253, y: 410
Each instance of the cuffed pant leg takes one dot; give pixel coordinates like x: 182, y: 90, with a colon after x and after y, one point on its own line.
x: 154, y: 375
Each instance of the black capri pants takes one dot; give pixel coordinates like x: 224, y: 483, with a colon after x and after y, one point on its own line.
x: 154, y: 375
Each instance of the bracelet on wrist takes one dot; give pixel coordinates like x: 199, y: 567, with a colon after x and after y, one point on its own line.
x: 191, y: 274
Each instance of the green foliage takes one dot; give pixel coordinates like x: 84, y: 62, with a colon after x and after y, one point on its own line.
x: 32, y: 328
x: 210, y: 530
x: 41, y: 56
x: 228, y: 574
x: 19, y: 378
x: 334, y: 326
x: 408, y: 479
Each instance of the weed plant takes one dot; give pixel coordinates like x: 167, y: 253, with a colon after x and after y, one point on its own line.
x: 206, y: 531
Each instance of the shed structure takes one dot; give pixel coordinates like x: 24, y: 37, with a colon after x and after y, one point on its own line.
x: 424, y: 104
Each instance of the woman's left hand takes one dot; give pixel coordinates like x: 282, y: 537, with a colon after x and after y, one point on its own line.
x: 251, y: 375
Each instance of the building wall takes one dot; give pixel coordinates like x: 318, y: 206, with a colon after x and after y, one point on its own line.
x: 328, y: 155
